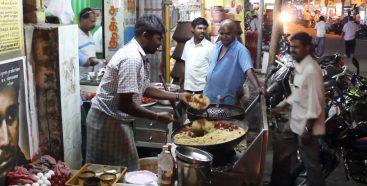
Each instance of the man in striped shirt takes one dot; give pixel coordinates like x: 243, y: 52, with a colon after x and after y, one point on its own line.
x: 110, y: 138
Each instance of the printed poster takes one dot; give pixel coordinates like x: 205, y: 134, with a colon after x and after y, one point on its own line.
x: 114, y: 28
x: 14, y: 130
x: 129, y: 19
x: 10, y: 26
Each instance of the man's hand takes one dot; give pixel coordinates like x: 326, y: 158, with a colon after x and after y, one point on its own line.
x: 92, y: 61
x: 262, y: 91
x: 277, y: 111
x: 185, y: 96
x: 165, y: 117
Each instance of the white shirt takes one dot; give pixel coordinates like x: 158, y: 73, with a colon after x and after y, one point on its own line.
x: 320, y: 29
x: 196, y: 59
x: 307, y: 98
x: 350, y: 29
x: 254, y: 24
x: 88, y: 48
x: 97, y: 37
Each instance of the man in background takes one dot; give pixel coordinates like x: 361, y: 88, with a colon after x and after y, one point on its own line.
x: 196, y: 55
x: 230, y: 65
x: 320, y: 36
x: 350, y: 30
x: 87, y: 46
x: 254, y: 23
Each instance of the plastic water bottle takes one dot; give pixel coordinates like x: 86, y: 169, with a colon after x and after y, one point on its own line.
x: 165, y: 169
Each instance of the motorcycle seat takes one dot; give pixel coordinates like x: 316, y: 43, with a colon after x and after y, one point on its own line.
x: 360, y: 144
x: 326, y: 59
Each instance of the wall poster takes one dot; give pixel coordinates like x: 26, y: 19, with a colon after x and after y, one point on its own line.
x: 129, y: 19
x: 11, y: 34
x: 14, y: 129
x: 114, y: 28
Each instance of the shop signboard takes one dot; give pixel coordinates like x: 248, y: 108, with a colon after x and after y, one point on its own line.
x: 114, y: 28
x: 129, y: 19
x: 14, y: 129
x: 11, y: 31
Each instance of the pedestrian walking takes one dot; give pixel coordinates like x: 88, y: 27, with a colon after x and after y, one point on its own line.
x: 320, y: 36
x: 350, y: 30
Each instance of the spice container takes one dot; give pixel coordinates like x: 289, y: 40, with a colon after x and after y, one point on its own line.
x: 85, y: 175
x: 107, y: 179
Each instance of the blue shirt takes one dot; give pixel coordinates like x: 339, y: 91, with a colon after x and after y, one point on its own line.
x: 227, y: 74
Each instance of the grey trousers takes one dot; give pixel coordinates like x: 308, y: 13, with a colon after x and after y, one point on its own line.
x: 285, y: 146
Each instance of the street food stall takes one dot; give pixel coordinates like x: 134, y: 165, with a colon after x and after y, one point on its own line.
x: 52, y: 91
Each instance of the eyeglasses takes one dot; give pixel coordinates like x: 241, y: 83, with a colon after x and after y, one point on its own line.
x: 85, y: 13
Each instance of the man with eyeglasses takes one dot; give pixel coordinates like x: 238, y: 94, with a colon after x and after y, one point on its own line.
x: 10, y: 153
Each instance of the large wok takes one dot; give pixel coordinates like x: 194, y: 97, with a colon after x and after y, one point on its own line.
x: 217, y: 112
x: 221, y: 147
x: 221, y: 111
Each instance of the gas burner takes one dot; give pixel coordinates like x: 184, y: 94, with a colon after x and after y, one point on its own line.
x: 224, y: 168
x: 223, y: 158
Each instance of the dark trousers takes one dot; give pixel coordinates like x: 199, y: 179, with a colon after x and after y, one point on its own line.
x: 84, y: 132
x: 350, y: 46
x: 285, y: 146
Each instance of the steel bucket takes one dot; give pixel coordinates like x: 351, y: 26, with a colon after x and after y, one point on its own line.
x: 193, y: 166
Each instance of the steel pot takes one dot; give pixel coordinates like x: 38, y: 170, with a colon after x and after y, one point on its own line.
x: 193, y: 166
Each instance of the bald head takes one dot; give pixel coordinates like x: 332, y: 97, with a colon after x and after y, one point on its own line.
x: 227, y: 32
x: 230, y: 24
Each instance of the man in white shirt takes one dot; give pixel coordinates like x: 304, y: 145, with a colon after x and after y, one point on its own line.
x: 254, y: 23
x: 196, y: 55
x: 350, y: 30
x: 307, y: 116
x: 87, y: 46
x: 320, y: 36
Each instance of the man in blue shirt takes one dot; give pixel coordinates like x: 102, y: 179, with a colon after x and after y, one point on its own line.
x: 230, y: 65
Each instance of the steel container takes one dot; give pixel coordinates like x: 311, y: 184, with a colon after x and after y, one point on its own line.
x: 193, y: 166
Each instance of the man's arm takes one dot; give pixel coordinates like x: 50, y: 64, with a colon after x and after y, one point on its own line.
x: 86, y: 61
x: 127, y: 105
x: 156, y: 93
x: 254, y: 81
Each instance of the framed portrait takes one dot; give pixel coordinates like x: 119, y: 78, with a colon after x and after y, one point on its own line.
x: 14, y: 125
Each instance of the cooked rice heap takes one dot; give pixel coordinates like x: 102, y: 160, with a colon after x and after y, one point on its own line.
x: 220, y: 133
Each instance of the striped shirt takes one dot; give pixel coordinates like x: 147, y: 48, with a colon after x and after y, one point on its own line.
x: 125, y: 73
